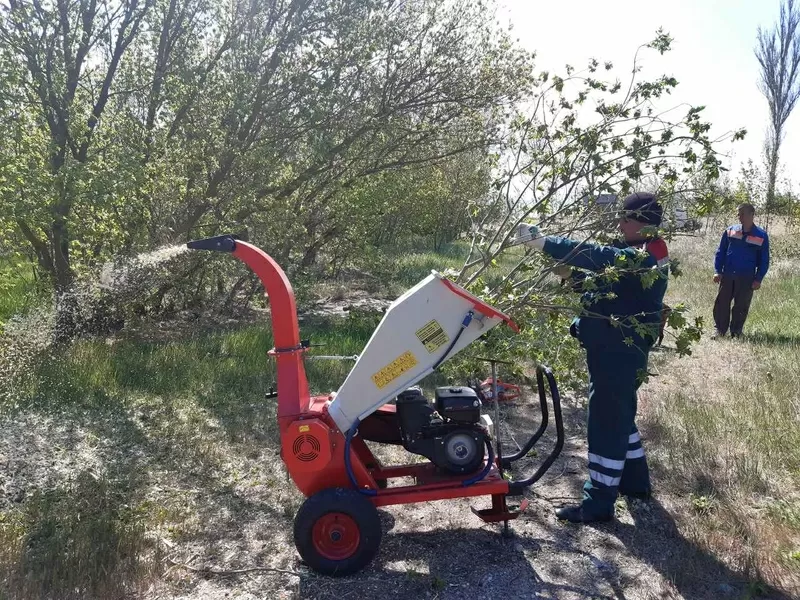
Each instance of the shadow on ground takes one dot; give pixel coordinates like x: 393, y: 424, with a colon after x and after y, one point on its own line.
x: 640, y: 555
x: 772, y: 339
x: 460, y: 563
x: 544, y: 561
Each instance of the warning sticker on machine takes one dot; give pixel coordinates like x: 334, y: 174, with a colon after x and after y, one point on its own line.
x: 432, y: 336
x: 401, y: 364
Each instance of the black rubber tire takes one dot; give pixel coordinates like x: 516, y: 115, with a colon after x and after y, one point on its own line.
x: 359, y: 509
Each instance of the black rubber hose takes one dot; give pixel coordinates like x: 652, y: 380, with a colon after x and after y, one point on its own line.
x: 517, y: 488
x: 348, y: 438
x: 464, y: 324
x: 486, y: 469
x: 507, y: 460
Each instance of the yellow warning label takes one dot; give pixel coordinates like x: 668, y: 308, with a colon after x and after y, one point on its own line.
x: 432, y: 336
x: 401, y: 364
x: 304, y: 428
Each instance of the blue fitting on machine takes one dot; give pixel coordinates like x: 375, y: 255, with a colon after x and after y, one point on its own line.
x: 467, y: 319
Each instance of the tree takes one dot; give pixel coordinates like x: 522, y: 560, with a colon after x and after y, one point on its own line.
x: 752, y: 187
x: 161, y: 120
x: 72, y: 54
x: 585, y: 136
x: 778, y: 54
x: 402, y: 86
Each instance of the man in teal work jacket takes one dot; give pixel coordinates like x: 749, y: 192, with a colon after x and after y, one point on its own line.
x: 617, y: 328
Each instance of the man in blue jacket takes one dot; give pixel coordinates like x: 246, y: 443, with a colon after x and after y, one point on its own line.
x: 741, y: 262
x: 618, y: 326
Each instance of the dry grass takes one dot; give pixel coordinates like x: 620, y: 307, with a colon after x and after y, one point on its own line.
x: 118, y: 458
x: 724, y: 425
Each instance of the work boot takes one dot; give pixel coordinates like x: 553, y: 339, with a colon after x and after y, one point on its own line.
x: 577, y: 514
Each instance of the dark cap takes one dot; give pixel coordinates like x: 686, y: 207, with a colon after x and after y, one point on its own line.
x: 643, y: 207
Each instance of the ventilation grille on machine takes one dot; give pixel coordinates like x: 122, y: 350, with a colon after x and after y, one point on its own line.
x: 306, y: 447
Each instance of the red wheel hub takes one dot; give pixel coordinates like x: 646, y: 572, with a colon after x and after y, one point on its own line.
x: 336, y: 536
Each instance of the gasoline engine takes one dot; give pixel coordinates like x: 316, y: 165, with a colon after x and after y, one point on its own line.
x: 452, y: 433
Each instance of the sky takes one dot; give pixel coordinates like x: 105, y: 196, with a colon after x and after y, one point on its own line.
x: 712, y: 56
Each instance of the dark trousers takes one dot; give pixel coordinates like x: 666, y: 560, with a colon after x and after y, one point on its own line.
x: 739, y: 290
x: 616, y: 458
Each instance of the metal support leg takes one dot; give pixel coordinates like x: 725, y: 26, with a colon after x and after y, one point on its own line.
x: 498, y: 444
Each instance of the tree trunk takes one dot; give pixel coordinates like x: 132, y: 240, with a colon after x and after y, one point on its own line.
x: 53, y: 257
x: 63, y: 276
x: 772, y: 176
x: 66, y: 306
x: 66, y: 298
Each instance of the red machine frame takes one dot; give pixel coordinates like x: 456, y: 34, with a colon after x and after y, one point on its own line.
x: 313, y: 438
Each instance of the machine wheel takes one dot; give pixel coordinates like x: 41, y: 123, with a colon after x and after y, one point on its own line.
x: 337, y: 531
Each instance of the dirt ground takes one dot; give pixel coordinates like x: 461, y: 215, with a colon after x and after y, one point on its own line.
x: 235, y: 507
x: 441, y: 550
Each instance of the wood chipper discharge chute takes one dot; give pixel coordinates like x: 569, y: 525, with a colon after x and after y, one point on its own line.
x: 324, y: 438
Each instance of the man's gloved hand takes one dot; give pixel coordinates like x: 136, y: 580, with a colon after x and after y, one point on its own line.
x: 530, y: 236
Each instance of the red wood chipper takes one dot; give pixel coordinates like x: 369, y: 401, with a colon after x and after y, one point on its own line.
x: 337, y: 529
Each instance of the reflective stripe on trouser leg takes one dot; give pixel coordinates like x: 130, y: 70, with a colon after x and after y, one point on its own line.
x: 605, y: 472
x: 636, y: 475
x: 635, y: 449
x: 612, y: 407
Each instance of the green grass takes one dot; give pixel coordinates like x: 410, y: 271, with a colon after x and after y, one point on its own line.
x: 404, y: 267
x: 221, y: 370
x: 725, y: 424
x: 18, y: 288
x: 83, y: 538
x: 409, y: 267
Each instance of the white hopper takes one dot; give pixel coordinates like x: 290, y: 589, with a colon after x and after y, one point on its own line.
x: 416, y: 332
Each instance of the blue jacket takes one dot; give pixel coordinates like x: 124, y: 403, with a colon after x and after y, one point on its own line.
x: 632, y: 296
x: 743, y: 253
